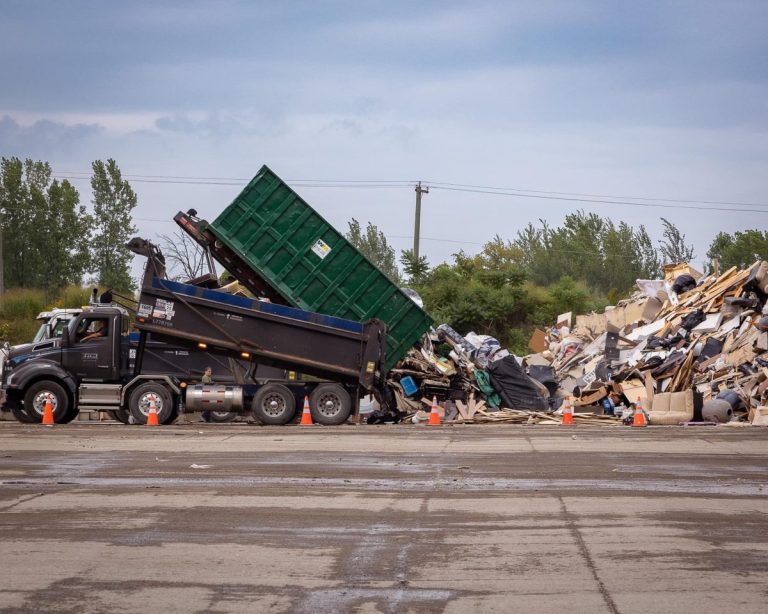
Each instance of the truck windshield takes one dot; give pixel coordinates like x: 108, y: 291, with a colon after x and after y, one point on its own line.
x: 58, y: 323
x: 41, y: 333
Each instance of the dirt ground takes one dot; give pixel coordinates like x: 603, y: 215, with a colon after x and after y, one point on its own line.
x: 101, y: 517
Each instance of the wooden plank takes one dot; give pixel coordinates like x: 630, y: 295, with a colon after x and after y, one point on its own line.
x: 462, y: 409
x: 649, y: 387
x: 472, y: 408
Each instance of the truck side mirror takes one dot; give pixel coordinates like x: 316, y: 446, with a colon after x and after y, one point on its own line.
x: 65, y: 336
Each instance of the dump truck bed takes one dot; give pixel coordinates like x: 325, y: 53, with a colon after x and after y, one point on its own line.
x: 270, y: 234
x: 277, y: 335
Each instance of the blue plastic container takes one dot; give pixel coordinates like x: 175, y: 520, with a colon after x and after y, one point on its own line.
x: 409, y: 386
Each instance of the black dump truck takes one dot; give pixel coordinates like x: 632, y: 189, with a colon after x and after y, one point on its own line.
x: 94, y: 365
x: 323, y: 310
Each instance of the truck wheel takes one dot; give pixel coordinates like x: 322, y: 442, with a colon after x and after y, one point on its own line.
x: 71, y: 414
x: 222, y: 416
x: 22, y: 416
x: 273, y: 404
x: 121, y: 415
x: 38, y: 393
x: 330, y: 404
x: 141, y: 396
x: 174, y: 413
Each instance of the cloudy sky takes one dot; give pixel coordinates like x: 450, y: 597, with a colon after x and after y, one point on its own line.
x: 640, y: 100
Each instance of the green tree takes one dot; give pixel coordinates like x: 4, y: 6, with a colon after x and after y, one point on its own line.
x: 45, y: 229
x: 22, y: 190
x: 740, y: 249
x: 415, y: 268
x: 596, y: 251
x: 673, y: 247
x: 482, y: 293
x: 67, y: 234
x: 113, y: 203
x: 373, y: 245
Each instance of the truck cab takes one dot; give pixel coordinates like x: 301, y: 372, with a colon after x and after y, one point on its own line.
x: 92, y: 345
x: 88, y: 351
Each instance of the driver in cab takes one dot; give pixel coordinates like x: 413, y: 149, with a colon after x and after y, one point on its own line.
x: 97, y: 330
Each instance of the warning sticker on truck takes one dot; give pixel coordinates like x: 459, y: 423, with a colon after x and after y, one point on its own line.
x: 163, y: 310
x: 321, y: 248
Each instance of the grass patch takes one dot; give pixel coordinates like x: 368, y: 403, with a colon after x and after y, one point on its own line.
x: 20, y: 306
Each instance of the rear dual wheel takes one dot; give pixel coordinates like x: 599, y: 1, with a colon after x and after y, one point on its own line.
x: 222, y: 416
x: 330, y: 404
x: 273, y: 404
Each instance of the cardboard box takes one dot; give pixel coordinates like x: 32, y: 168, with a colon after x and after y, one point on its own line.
x: 594, y: 322
x: 760, y: 417
x: 538, y: 341
x: 615, y: 318
x: 673, y: 271
x: 645, y: 311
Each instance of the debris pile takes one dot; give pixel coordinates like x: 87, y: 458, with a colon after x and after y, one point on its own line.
x: 686, y: 348
x: 479, y: 381
x: 689, y: 347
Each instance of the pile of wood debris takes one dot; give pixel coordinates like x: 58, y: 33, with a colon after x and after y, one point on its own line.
x: 698, y: 353
x: 687, y: 348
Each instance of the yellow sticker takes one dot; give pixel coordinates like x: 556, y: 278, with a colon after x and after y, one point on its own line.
x: 321, y: 248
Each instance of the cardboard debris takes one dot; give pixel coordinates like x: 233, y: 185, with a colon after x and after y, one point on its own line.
x: 659, y: 344
x: 670, y: 352
x: 538, y: 341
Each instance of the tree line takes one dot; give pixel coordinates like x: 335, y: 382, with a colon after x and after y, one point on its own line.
x: 514, y: 285
x: 51, y: 240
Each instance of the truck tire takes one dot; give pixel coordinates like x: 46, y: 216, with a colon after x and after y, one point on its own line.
x: 35, y: 396
x: 273, y: 404
x: 174, y: 413
x: 71, y: 414
x: 330, y: 404
x: 222, y: 416
x: 140, y: 397
x: 22, y: 416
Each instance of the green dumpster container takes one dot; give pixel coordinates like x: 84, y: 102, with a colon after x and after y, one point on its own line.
x: 309, y: 263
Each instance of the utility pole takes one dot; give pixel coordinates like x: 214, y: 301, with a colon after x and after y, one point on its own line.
x: 417, y: 224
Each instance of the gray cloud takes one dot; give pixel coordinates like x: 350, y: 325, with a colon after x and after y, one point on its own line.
x: 43, y: 137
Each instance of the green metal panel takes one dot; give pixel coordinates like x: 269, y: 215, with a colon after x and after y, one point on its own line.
x: 311, y: 265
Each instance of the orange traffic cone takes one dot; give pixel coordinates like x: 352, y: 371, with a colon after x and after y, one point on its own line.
x: 152, y: 416
x: 306, y: 415
x: 434, y: 415
x: 567, y: 412
x: 48, y: 412
x: 639, y: 417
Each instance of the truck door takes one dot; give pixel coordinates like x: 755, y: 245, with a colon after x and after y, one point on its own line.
x: 91, y: 353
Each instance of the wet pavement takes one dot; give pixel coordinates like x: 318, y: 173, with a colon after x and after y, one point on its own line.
x: 100, y: 517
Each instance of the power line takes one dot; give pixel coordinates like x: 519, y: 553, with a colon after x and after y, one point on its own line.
x: 490, y: 191
x: 595, y: 201
x: 378, y: 183
x: 667, y: 200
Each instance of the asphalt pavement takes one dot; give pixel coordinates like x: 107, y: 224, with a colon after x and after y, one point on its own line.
x: 100, y: 517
